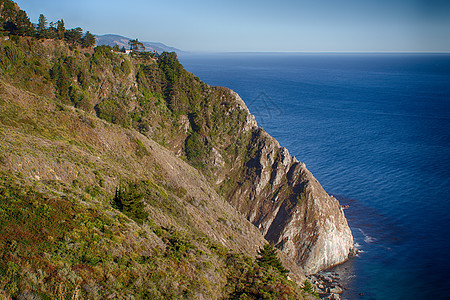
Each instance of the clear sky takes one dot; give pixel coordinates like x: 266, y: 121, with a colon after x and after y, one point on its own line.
x: 262, y: 25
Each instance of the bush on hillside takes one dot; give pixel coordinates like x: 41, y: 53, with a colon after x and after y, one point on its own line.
x: 112, y: 111
x: 129, y: 201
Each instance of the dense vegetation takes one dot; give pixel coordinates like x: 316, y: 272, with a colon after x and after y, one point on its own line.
x: 80, y: 221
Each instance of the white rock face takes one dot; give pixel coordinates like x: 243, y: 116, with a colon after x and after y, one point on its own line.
x: 327, y: 239
x: 217, y: 158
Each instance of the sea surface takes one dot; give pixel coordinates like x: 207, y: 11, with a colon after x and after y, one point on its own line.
x: 374, y: 129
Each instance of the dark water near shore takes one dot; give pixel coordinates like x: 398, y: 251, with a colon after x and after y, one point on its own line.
x: 375, y: 131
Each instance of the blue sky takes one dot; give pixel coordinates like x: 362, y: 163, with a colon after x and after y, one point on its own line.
x: 251, y: 25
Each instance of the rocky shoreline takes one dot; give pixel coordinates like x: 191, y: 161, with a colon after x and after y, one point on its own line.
x: 327, y: 285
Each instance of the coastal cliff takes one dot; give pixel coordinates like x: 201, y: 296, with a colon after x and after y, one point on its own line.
x: 281, y: 197
x: 113, y: 162
x: 211, y: 128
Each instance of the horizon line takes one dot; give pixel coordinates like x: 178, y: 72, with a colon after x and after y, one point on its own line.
x: 313, y: 52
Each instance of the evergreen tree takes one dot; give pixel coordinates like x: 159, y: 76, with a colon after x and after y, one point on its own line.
x: 88, y: 40
x: 130, y: 202
x: 60, y: 29
x: 42, y: 23
x: 267, y: 257
x: 135, y: 45
x: 23, y: 26
x: 52, y: 31
x: 42, y: 26
x: 73, y: 35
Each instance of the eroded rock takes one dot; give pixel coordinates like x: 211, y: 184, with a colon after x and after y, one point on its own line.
x: 281, y: 197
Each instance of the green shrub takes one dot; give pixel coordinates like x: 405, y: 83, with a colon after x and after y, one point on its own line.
x: 247, y: 280
x: 112, y: 111
x: 77, y: 96
x: 12, y: 53
x: 178, y: 246
x: 130, y: 201
x: 141, y: 150
x: 61, y: 74
x: 194, y: 148
x: 102, y: 54
x: 308, y: 287
x: 126, y: 67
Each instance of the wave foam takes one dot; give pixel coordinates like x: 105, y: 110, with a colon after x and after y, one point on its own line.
x: 367, y: 238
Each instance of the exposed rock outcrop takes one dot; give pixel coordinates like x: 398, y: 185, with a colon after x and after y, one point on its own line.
x: 280, y: 196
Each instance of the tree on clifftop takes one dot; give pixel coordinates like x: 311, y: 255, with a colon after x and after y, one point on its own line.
x: 135, y: 45
x: 42, y: 23
x: 88, y: 40
x: 73, y: 35
x: 60, y: 29
x: 20, y: 25
x: 41, y: 28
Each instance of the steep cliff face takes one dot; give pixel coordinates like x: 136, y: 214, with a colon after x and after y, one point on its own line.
x: 280, y: 196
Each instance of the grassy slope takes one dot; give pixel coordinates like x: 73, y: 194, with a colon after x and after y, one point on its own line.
x: 59, y: 168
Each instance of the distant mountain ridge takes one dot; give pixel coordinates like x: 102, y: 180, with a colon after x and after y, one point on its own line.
x: 122, y: 41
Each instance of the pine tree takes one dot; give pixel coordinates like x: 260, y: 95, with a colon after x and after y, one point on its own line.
x: 88, y: 40
x: 42, y: 26
x: 23, y: 24
x: 42, y: 23
x: 135, y: 45
x: 268, y: 258
x: 130, y: 202
x: 74, y: 35
x: 60, y: 29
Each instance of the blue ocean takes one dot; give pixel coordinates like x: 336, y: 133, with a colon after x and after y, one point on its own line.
x: 374, y: 129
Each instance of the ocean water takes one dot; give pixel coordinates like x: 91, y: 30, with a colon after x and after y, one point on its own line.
x: 375, y: 131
